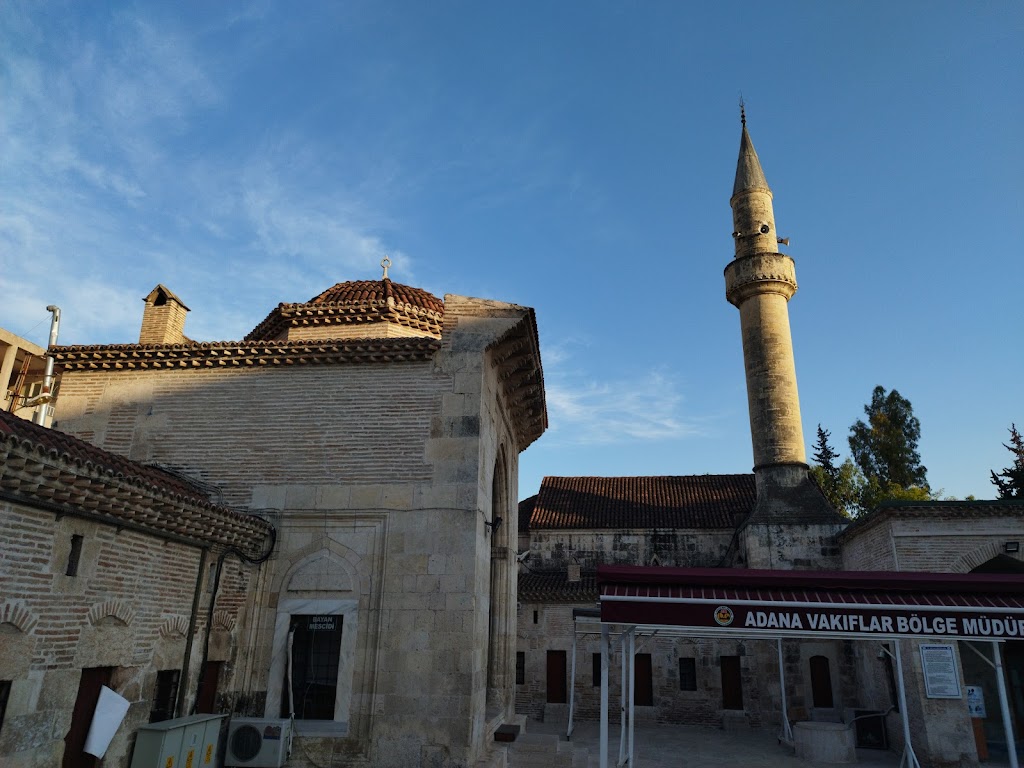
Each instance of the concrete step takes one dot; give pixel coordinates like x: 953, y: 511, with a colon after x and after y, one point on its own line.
x: 541, y: 750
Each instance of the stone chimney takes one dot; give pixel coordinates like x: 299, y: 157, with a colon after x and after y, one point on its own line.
x: 163, y: 319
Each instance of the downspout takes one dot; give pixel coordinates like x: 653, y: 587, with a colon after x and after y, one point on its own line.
x: 39, y: 415
x: 179, y: 706
x: 213, y: 601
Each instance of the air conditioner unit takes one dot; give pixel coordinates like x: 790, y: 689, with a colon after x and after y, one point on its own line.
x: 258, y: 742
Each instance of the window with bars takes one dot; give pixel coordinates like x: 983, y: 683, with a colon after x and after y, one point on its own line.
x: 520, y: 667
x: 74, y: 556
x: 5, y: 692
x: 316, y: 650
x: 165, y: 696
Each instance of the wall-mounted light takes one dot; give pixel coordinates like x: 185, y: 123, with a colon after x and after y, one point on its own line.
x: 1011, y: 547
x: 495, y: 525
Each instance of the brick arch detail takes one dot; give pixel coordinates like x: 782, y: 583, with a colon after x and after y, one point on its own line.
x: 119, y: 609
x: 223, y: 620
x: 174, y: 626
x: 971, y: 560
x: 18, y: 615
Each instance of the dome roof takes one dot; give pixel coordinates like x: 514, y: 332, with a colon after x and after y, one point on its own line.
x: 356, y: 309
x: 357, y: 292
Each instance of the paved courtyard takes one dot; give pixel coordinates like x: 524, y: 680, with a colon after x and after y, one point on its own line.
x: 672, y: 746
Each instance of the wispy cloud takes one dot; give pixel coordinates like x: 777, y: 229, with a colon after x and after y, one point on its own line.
x: 643, y: 406
x: 109, y: 179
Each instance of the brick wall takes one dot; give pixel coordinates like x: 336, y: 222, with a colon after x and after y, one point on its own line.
x: 128, y: 608
x: 241, y: 428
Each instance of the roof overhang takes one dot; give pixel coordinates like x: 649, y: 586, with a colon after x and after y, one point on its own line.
x: 820, y: 604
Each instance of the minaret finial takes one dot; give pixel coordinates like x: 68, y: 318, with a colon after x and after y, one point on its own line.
x: 385, y: 262
x: 743, y: 112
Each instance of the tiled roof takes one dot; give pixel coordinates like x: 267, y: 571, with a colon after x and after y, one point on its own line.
x: 525, y: 511
x: 377, y: 291
x: 555, y: 587
x: 356, y: 302
x: 957, y: 510
x: 688, y: 501
x: 238, y: 354
x: 40, y: 465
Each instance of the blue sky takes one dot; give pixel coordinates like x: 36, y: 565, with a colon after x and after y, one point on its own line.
x: 576, y: 157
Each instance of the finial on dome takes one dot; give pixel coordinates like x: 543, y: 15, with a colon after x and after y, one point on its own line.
x: 743, y: 112
x: 385, y: 263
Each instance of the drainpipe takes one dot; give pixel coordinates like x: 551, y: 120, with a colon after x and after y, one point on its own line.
x: 179, y: 705
x: 47, y: 394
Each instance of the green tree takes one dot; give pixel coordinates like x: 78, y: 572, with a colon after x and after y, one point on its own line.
x: 885, y: 450
x: 1010, y: 482
x: 842, y: 485
x: 824, y: 454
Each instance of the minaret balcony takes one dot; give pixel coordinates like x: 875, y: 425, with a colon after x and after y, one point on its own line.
x: 760, y: 273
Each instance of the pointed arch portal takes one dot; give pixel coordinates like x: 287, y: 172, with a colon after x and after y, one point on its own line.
x: 773, y: 605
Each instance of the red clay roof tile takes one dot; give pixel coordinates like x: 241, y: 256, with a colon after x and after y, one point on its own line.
x: 688, y: 501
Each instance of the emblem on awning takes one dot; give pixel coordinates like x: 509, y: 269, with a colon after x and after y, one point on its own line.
x: 723, y: 615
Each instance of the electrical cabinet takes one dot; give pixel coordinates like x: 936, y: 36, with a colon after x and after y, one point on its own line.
x: 185, y: 742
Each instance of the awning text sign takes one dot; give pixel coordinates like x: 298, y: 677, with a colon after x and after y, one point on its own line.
x: 845, y: 620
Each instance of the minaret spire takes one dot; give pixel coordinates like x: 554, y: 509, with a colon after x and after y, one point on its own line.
x: 760, y: 281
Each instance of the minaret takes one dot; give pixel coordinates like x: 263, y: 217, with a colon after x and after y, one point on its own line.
x: 760, y: 281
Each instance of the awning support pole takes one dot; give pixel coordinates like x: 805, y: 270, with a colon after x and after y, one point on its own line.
x: 623, y: 688
x: 909, y: 758
x: 632, y: 690
x: 787, y: 732
x: 605, y: 643
x: 1004, y: 705
x: 572, y: 682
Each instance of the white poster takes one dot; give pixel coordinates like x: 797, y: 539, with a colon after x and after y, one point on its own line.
x: 110, y: 711
x: 941, y: 677
x: 975, y: 701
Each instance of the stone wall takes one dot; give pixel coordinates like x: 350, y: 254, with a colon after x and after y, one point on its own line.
x: 676, y: 547
x: 951, y: 538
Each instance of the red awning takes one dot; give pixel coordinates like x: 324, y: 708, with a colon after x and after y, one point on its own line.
x: 815, y: 603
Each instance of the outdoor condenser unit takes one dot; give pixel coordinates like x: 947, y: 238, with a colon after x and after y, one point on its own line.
x: 184, y: 741
x: 258, y: 742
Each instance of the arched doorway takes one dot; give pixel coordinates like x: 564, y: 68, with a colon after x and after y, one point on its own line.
x: 497, y: 619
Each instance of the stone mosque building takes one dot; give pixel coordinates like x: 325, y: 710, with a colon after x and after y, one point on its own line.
x: 318, y: 523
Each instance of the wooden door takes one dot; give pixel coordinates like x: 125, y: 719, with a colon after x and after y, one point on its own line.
x: 206, y: 699
x: 732, y: 683
x: 89, y: 686
x: 557, y: 690
x: 821, y: 682
x: 643, y: 686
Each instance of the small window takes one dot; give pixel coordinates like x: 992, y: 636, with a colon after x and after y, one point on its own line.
x: 536, y: 615
x: 166, y: 695
x: 5, y: 692
x: 520, y: 668
x: 687, y: 674
x: 74, y: 556
x: 643, y: 683
x: 596, y: 669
